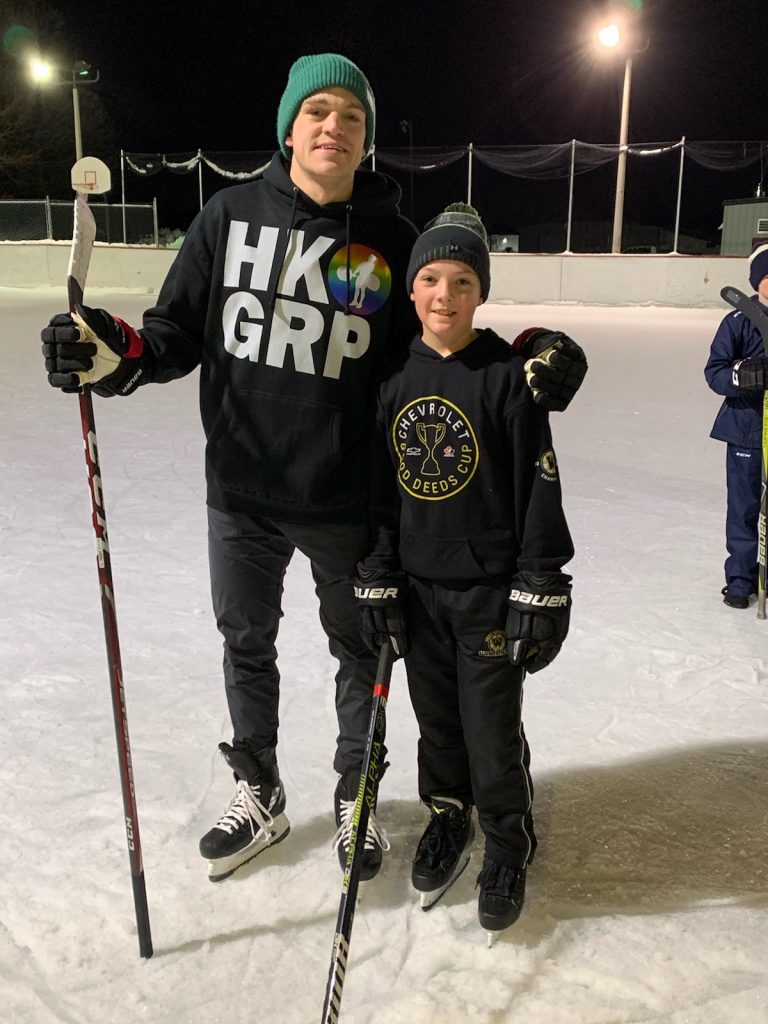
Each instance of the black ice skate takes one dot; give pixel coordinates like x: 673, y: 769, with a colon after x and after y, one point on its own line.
x: 255, y: 818
x: 376, y: 842
x: 502, y: 894
x: 443, y: 850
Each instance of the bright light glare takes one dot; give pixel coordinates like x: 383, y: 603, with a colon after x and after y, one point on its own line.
x: 609, y: 35
x: 40, y: 70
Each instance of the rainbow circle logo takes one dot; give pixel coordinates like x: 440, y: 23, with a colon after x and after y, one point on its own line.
x: 370, y: 279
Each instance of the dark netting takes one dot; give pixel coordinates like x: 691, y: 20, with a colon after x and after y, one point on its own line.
x: 419, y: 159
x: 145, y: 164
x: 181, y: 163
x: 242, y: 166
x: 726, y: 156
x: 528, y: 161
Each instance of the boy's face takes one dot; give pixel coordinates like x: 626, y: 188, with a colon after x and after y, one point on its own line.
x: 446, y: 294
x: 327, y: 138
x: 762, y: 291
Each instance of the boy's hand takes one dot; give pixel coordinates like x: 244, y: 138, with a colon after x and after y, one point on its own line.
x: 751, y: 374
x: 538, y: 618
x: 380, y: 599
x: 92, y: 347
x: 555, y: 366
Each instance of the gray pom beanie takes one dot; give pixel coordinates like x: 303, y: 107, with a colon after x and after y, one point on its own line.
x: 455, y: 234
x: 314, y: 73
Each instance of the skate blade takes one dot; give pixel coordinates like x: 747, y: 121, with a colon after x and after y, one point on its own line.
x: 491, y: 937
x: 223, y: 867
x: 429, y: 899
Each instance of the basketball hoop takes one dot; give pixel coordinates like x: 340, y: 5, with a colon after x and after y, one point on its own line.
x: 91, y: 175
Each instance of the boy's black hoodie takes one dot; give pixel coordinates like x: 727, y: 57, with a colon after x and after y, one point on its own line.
x: 465, y: 479
x: 289, y: 307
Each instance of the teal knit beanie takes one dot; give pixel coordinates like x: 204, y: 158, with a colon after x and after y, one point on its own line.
x: 321, y: 71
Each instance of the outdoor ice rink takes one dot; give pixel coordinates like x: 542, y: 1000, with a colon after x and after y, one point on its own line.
x: 647, y: 901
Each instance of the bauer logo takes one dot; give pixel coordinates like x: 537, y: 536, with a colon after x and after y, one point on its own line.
x: 436, y: 448
x: 367, y: 281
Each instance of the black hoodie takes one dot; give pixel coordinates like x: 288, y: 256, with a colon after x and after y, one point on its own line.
x: 465, y: 484
x: 290, y: 308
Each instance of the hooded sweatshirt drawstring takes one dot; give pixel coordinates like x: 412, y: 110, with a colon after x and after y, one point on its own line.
x: 273, y: 287
x: 349, y: 256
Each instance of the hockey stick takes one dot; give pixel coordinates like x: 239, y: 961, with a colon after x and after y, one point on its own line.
x: 751, y: 309
x: 366, y: 800
x: 83, y: 237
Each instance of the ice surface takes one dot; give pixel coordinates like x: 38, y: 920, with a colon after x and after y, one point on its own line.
x: 647, y: 899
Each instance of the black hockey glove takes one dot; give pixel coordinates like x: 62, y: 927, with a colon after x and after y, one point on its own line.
x: 555, y: 367
x: 380, y: 599
x: 538, y: 617
x: 92, y: 347
x: 751, y: 374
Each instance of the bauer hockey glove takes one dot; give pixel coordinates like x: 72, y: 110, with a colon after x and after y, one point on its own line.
x: 92, y: 347
x: 555, y: 366
x: 380, y: 596
x: 537, y: 618
x: 750, y: 374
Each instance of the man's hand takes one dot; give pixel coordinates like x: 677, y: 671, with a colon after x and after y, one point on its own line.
x: 538, y: 617
x: 380, y: 596
x: 92, y: 347
x: 555, y: 366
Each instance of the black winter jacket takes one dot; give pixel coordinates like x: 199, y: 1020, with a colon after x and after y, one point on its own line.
x: 465, y: 482
x: 288, y: 307
x: 740, y: 418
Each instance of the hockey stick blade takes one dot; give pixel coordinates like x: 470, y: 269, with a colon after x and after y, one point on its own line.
x: 749, y: 307
x: 83, y: 237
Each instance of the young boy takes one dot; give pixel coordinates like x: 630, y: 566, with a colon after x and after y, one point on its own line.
x: 737, y: 369
x: 468, y: 519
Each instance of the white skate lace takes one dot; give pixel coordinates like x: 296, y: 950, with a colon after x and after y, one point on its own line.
x: 374, y: 833
x: 245, y: 807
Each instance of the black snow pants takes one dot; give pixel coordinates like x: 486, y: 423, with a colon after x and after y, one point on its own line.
x: 467, y: 697
x: 248, y: 557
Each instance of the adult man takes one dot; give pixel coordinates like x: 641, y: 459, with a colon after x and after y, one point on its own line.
x: 261, y: 297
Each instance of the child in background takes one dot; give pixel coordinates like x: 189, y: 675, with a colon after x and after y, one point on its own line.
x: 469, y: 543
x: 736, y: 369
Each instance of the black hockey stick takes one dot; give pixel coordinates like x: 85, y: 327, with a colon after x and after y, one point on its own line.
x: 366, y: 800
x: 751, y: 309
x: 83, y: 238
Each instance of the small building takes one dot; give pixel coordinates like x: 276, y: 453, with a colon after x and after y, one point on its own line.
x: 744, y: 222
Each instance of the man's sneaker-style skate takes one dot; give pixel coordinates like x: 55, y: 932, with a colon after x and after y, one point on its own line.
x: 255, y: 818
x: 734, y: 600
x: 443, y: 850
x: 502, y: 894
x: 344, y: 800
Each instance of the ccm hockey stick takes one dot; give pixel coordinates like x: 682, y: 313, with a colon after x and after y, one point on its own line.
x: 751, y: 309
x: 83, y: 237
x: 366, y: 800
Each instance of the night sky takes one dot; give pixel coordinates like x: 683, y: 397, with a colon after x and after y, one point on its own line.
x: 177, y: 77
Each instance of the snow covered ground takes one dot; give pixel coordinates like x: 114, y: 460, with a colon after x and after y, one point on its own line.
x: 648, y: 897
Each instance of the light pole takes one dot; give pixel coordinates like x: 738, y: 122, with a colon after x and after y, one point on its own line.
x: 80, y: 73
x: 619, y: 35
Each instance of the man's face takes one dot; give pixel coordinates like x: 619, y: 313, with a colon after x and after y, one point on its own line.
x: 327, y: 137
x: 762, y: 291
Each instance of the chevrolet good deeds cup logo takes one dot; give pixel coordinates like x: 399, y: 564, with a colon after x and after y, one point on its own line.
x: 436, y: 448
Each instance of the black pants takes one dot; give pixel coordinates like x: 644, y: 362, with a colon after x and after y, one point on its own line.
x: 248, y: 558
x: 468, y: 701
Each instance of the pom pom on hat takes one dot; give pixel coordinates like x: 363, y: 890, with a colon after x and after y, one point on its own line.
x: 758, y: 264
x: 455, y: 234
x: 316, y: 72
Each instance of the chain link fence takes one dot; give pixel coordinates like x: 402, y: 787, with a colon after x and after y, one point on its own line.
x: 30, y: 220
